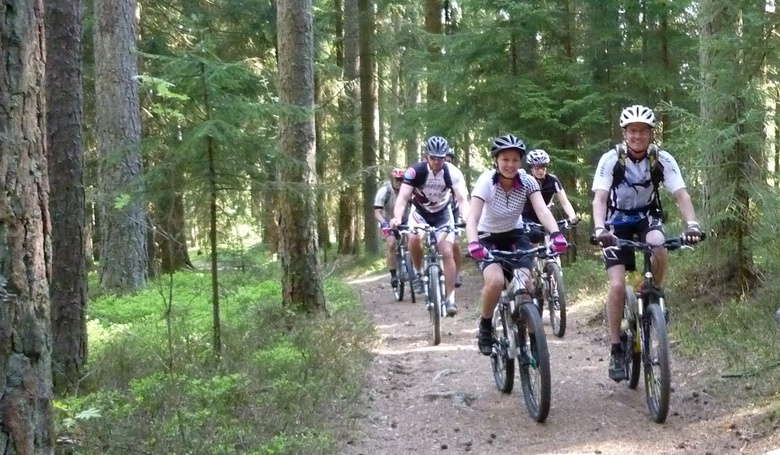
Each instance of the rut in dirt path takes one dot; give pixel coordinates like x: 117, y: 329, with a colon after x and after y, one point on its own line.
x: 423, y: 399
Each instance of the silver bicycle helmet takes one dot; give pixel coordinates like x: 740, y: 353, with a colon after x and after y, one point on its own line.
x: 437, y: 146
x: 538, y: 157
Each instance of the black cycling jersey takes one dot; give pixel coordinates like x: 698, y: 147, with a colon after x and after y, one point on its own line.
x: 549, y: 185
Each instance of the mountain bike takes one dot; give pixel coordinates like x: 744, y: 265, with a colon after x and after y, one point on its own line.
x: 520, y: 336
x: 548, y: 281
x: 433, y: 275
x: 404, y: 266
x: 644, y: 331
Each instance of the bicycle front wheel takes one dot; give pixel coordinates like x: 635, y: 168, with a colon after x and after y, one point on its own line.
x: 632, y: 346
x: 655, y: 357
x: 534, y: 362
x: 434, y: 303
x: 556, y: 299
x: 398, y: 289
x: 410, y: 275
x: 502, y: 363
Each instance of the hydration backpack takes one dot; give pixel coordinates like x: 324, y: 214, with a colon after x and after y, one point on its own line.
x: 656, y: 177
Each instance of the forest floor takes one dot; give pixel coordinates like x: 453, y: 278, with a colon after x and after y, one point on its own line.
x: 424, y: 399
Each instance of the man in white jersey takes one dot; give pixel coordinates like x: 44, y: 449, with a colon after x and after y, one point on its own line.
x: 626, y: 205
x: 429, y: 185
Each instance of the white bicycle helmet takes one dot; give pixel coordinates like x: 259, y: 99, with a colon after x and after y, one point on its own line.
x: 437, y: 146
x: 637, y: 114
x: 506, y: 142
x: 538, y: 157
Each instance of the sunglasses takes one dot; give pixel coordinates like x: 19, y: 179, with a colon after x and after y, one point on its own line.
x: 435, y: 158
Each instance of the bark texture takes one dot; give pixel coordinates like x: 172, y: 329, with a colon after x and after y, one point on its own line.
x: 301, y: 280
x: 25, y: 229
x: 64, y: 94
x: 123, y: 265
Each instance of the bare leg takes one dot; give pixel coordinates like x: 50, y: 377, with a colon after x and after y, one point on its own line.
x: 491, y: 289
x: 615, y: 298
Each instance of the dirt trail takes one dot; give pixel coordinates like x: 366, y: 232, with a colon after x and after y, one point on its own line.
x: 422, y: 399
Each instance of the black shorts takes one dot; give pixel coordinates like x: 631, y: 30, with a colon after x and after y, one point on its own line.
x: 637, y: 232
x: 435, y: 219
x: 512, y: 240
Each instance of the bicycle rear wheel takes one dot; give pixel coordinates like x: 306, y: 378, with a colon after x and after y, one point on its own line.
x: 434, y: 303
x: 502, y: 363
x: 534, y: 362
x: 655, y: 356
x: 556, y: 299
x: 398, y: 289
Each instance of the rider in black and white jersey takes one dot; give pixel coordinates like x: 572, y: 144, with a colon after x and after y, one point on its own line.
x: 429, y: 185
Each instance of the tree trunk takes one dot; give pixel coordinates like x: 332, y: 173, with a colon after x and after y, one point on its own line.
x: 25, y: 247
x: 171, y: 230
x: 411, y: 93
x: 323, y: 224
x: 123, y: 265
x: 433, y: 25
x: 368, y: 122
x: 348, y: 105
x: 216, y: 323
x: 301, y: 280
x: 66, y: 182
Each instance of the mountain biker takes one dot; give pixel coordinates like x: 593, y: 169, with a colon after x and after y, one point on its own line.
x: 456, y: 216
x: 626, y: 204
x: 549, y: 185
x: 430, y: 185
x: 495, y: 222
x: 384, y: 203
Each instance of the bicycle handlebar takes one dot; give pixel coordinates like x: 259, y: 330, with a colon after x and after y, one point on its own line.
x: 670, y: 243
x: 563, y: 224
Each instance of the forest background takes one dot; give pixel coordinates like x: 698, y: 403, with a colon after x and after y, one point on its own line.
x: 206, y: 189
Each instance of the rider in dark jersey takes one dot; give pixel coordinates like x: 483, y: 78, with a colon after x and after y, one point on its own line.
x: 549, y: 186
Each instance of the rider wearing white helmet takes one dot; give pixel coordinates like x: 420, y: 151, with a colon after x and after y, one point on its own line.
x: 550, y: 186
x: 626, y: 205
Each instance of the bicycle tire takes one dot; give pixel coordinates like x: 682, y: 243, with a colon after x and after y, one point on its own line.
x: 632, y: 347
x: 655, y: 359
x: 434, y: 303
x: 502, y: 364
x: 534, y: 363
x: 398, y: 290
x: 410, y: 275
x: 557, y: 305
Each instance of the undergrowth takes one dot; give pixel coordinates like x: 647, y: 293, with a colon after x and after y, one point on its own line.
x: 154, y: 385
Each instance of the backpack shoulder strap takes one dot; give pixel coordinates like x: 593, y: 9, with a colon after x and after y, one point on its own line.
x: 447, y: 176
x: 656, y: 167
x: 619, y: 171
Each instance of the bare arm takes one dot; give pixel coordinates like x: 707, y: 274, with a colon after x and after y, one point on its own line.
x: 463, y: 201
x: 685, y: 205
x: 566, y: 205
x: 542, y: 212
x: 599, y: 209
x: 475, y: 212
x: 379, y: 214
x: 400, y: 204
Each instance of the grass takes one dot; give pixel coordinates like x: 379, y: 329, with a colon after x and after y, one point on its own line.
x: 154, y: 386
